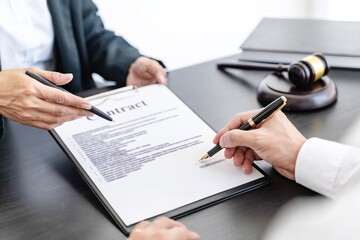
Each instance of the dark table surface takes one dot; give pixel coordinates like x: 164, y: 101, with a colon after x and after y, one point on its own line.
x: 42, y: 196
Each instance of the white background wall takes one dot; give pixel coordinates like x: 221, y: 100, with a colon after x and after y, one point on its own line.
x: 186, y: 32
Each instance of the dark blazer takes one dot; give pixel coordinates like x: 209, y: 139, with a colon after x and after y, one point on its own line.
x: 83, y: 46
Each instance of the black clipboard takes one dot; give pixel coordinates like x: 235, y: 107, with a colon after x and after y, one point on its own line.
x: 175, y: 213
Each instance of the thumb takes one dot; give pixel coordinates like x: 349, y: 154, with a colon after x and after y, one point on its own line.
x: 54, y: 77
x: 239, y: 138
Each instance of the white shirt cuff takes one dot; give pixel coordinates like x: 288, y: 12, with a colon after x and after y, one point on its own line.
x: 318, y: 163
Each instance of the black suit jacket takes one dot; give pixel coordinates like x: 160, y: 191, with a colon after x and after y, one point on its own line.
x: 83, y: 46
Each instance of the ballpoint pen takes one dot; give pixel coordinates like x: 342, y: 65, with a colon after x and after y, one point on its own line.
x: 50, y: 84
x: 260, y: 117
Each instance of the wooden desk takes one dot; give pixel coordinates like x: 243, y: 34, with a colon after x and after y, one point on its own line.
x: 43, y: 197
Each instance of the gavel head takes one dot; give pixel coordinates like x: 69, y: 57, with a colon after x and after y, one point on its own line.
x: 308, y: 70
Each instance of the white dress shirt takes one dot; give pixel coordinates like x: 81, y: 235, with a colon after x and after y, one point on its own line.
x: 333, y: 170
x: 26, y: 35
x: 327, y: 167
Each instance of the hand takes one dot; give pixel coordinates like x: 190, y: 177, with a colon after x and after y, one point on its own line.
x: 276, y: 141
x: 162, y: 228
x: 145, y: 71
x: 32, y: 103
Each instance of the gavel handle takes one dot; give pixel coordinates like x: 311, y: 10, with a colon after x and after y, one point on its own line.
x: 252, y: 66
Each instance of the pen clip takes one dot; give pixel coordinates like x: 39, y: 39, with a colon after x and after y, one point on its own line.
x: 284, y: 103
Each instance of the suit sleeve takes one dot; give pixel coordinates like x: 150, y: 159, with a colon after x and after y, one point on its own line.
x: 110, y: 55
x: 1, y: 127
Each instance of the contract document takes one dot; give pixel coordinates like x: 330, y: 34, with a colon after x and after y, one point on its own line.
x: 145, y: 163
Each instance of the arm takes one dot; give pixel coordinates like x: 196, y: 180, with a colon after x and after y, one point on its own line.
x: 113, y: 57
x: 323, y: 166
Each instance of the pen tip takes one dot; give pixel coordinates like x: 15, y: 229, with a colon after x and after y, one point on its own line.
x: 112, y: 120
x: 204, y: 157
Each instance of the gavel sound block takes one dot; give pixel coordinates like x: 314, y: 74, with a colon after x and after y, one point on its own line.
x: 317, y: 95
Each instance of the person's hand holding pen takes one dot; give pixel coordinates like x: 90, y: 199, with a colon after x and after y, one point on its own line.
x: 276, y: 141
x: 29, y: 102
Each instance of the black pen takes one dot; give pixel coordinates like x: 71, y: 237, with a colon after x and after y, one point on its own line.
x: 260, y: 117
x: 50, y: 84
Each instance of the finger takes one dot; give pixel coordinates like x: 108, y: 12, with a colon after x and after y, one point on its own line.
x: 142, y: 225
x: 164, y: 222
x: 54, y: 116
x: 236, y: 138
x: 56, y: 120
x: 239, y: 156
x: 247, y: 166
x: 193, y: 236
x: 38, y: 110
x: 60, y: 97
x: 220, y: 134
x: 145, y: 75
x: 241, y: 118
x: 181, y: 233
x: 161, y: 78
x: 235, y: 123
x: 139, y: 229
x: 248, y: 161
x: 48, y: 126
x: 156, y: 70
x: 58, y: 110
x: 229, y: 152
x: 55, y: 77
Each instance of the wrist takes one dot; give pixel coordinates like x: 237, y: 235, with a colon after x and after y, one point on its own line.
x: 300, y: 144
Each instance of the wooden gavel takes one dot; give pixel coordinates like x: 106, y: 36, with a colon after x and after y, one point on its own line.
x: 301, y: 73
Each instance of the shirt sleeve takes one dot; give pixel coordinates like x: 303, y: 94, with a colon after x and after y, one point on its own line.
x: 327, y: 167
